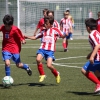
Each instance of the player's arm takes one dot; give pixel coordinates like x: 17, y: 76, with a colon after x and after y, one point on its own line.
x: 39, y: 35
x: 20, y: 36
x: 38, y: 27
x: 71, y: 29
x: 35, y: 31
x: 61, y: 26
x: 30, y: 37
x: 60, y: 33
x: 97, y: 47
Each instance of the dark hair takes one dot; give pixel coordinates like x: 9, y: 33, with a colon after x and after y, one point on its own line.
x: 50, y: 19
x: 45, y: 10
x: 8, y: 19
x: 68, y: 11
x: 91, y: 23
x: 50, y: 11
x: 98, y: 13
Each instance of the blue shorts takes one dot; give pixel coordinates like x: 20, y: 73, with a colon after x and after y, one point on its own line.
x: 68, y: 36
x: 7, y: 55
x: 92, y: 67
x: 46, y: 54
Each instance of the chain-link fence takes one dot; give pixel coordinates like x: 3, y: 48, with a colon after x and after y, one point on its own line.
x: 30, y: 12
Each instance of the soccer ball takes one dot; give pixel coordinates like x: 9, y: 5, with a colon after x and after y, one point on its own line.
x: 7, y: 81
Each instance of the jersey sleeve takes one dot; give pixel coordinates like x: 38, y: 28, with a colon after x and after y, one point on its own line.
x: 40, y: 23
x: 95, y: 38
x: 58, y: 32
x: 39, y: 35
x: 20, y: 35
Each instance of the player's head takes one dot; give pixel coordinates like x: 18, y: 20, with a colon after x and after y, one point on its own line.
x: 50, y: 13
x: 45, y: 12
x: 99, y: 14
x: 66, y: 14
x: 67, y: 10
x: 8, y: 20
x: 91, y: 24
x: 48, y: 21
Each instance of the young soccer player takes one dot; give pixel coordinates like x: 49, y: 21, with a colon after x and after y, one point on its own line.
x: 40, y: 24
x: 72, y: 21
x: 47, y: 47
x: 11, y: 45
x: 91, y: 69
x: 98, y: 22
x: 51, y: 13
x: 66, y: 27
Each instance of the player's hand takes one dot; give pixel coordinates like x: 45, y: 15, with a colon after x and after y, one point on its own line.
x: 23, y: 42
x: 25, y: 36
x: 91, y: 60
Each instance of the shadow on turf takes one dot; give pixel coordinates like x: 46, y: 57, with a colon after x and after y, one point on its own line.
x: 82, y: 93
x: 41, y: 84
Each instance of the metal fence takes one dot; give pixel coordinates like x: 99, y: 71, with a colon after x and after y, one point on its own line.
x: 30, y: 12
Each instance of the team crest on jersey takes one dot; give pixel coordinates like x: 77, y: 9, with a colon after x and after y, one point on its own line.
x: 7, y: 35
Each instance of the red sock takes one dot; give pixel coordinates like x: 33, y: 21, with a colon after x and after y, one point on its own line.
x: 92, y: 77
x: 64, y: 45
x: 55, y: 72
x: 40, y: 69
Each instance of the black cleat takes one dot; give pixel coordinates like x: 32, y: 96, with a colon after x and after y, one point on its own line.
x: 29, y: 71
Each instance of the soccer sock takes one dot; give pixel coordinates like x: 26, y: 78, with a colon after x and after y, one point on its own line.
x: 7, y: 70
x: 55, y: 72
x: 40, y: 69
x: 25, y: 66
x: 64, y: 45
x: 71, y: 35
x: 92, y: 77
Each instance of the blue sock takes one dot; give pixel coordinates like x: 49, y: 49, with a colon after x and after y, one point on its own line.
x: 7, y: 70
x: 71, y: 35
x: 25, y: 66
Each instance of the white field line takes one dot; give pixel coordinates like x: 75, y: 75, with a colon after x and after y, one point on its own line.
x: 65, y: 65
x: 70, y: 58
x: 60, y: 64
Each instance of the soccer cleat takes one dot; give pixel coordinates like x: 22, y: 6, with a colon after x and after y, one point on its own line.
x: 29, y: 71
x: 97, y: 93
x: 42, y: 77
x: 65, y: 50
x: 58, y: 79
x: 97, y: 88
x: 71, y: 38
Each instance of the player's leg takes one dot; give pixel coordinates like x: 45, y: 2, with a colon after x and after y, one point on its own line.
x: 97, y: 73
x: 53, y: 70
x: 19, y: 64
x: 86, y: 70
x: 71, y: 36
x: 6, y: 56
x: 39, y: 58
x: 50, y: 57
x: 64, y: 44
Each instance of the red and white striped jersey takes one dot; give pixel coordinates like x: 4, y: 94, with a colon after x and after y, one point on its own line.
x: 56, y: 24
x: 65, y: 24
x: 49, y: 38
x: 94, y: 39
